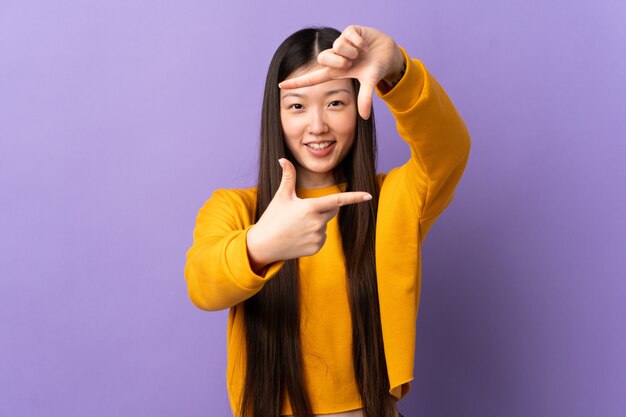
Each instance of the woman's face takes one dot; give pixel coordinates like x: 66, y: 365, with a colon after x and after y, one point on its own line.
x: 319, y: 123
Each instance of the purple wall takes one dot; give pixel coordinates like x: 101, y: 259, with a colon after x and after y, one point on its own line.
x: 118, y: 119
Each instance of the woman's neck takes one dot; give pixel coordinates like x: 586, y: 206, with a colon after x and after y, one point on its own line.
x: 306, y: 181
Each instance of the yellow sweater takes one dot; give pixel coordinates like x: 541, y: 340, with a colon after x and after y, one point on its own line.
x: 219, y: 275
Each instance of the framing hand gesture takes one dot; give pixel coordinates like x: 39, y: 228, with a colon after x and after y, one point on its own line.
x: 360, y: 52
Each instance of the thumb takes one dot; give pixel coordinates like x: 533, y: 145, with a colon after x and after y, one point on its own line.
x: 287, y: 185
x: 364, y: 101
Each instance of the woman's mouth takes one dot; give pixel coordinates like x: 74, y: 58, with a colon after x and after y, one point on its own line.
x: 321, y: 148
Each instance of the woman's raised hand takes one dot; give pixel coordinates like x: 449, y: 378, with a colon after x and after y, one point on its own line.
x: 292, y: 227
x: 359, y: 52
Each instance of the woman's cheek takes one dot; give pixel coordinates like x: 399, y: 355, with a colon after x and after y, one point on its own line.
x: 292, y: 124
x: 346, y: 125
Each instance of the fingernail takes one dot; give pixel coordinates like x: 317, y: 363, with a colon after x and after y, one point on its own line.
x: 279, y: 85
x: 367, y: 197
x: 280, y: 162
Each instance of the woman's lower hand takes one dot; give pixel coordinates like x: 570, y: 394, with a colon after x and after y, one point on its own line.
x: 292, y: 227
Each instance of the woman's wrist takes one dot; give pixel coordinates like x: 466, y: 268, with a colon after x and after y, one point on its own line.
x: 396, y: 71
x: 258, y: 261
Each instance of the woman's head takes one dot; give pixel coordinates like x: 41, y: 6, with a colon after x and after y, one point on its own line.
x: 318, y: 127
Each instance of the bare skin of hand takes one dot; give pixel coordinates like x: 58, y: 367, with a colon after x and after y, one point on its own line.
x: 360, y: 52
x: 293, y: 227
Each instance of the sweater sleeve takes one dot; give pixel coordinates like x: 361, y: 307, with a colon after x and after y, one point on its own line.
x: 428, y: 121
x: 217, y: 269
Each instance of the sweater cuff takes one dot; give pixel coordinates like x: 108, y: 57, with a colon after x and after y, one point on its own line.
x: 242, y: 270
x: 408, y: 90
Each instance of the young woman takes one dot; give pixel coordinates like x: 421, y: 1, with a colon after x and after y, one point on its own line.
x: 320, y: 262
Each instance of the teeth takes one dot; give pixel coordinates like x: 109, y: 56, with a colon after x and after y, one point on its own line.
x: 319, y: 146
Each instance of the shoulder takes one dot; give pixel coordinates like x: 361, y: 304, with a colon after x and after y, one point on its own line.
x: 236, y: 205
x: 245, y: 197
x: 226, y: 211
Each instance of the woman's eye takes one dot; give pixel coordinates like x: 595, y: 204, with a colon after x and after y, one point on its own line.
x: 335, y: 103
x: 296, y: 106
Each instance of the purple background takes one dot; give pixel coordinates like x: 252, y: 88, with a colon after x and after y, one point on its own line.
x: 118, y: 119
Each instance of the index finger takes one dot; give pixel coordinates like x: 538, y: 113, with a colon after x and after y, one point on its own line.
x: 329, y: 202
x: 310, y: 78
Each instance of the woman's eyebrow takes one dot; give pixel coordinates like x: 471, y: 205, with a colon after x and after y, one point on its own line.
x: 327, y: 93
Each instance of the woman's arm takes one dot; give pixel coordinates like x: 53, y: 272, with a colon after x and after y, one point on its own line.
x: 218, y: 270
x: 437, y: 136
x: 232, y: 258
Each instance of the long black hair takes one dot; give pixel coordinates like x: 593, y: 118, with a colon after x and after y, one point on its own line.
x: 272, y: 316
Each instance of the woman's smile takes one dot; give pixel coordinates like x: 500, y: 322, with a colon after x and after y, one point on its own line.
x: 321, y: 148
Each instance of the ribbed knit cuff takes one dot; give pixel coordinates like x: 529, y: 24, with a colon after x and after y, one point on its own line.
x: 242, y: 271
x: 408, y: 90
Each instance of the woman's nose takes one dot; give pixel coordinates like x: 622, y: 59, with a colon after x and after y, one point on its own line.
x: 317, y: 122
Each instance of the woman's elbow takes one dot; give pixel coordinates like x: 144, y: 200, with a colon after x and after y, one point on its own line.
x: 201, y: 294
